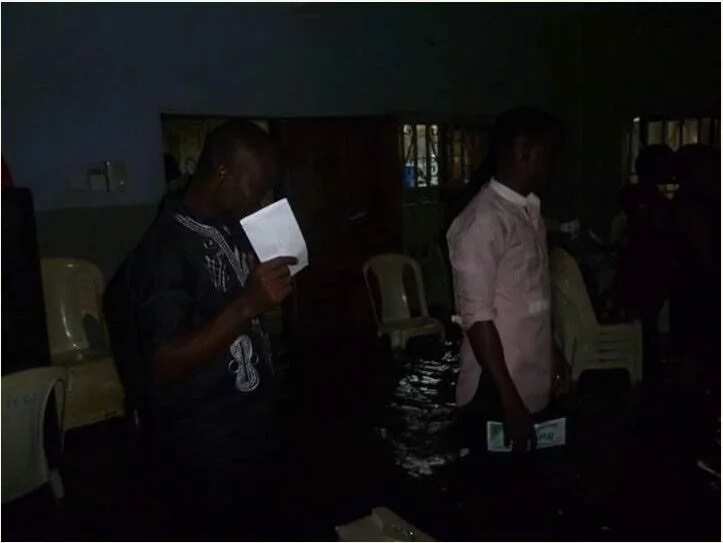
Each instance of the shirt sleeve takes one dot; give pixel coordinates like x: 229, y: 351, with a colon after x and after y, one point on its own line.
x: 166, y: 302
x: 475, y: 251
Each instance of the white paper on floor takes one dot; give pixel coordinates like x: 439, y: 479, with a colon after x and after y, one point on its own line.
x: 273, y: 232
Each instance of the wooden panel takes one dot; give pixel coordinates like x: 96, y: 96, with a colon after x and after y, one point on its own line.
x: 343, y: 183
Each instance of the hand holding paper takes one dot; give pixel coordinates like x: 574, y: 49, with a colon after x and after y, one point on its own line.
x: 273, y: 232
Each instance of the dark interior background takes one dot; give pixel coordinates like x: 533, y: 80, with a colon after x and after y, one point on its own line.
x: 83, y: 84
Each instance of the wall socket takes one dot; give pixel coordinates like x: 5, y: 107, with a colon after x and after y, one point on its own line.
x: 107, y: 176
x: 117, y: 175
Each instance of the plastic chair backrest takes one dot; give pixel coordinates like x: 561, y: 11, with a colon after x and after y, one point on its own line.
x: 25, y: 396
x: 73, y: 291
x: 569, y: 287
x: 389, y: 271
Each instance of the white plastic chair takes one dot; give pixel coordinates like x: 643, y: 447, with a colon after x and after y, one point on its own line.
x: 394, y: 317
x: 25, y: 396
x: 587, y: 344
x: 73, y: 291
x: 382, y: 524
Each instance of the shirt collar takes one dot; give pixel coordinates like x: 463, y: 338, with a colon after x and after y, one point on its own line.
x: 515, y: 197
x: 175, y: 204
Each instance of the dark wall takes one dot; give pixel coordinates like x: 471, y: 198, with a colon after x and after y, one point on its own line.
x: 86, y: 83
x: 103, y: 235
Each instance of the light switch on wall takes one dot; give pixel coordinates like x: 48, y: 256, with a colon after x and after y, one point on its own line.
x: 109, y: 176
x: 117, y: 175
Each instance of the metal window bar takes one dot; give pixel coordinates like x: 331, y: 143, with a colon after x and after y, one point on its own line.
x: 442, y: 146
x: 428, y: 157
x: 454, y: 146
x: 464, y: 156
x: 416, y: 156
x: 403, y: 151
x: 437, y: 154
x: 412, y: 155
x: 434, y: 154
x: 425, y: 157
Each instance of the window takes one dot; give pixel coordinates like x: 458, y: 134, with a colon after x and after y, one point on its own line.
x: 440, y: 154
x: 674, y: 132
x: 421, y: 155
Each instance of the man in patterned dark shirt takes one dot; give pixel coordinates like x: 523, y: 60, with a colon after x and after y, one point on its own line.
x: 199, y: 294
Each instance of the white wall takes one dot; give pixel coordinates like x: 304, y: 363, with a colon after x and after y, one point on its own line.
x: 85, y: 83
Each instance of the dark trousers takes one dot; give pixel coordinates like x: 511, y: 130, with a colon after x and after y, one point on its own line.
x: 512, y: 479
x: 487, y: 406
x: 652, y: 363
x: 219, y: 496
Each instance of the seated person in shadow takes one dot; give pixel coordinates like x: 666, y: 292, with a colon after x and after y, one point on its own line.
x: 695, y: 305
x: 647, y: 263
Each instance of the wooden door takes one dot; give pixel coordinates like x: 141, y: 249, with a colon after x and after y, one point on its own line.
x: 343, y: 182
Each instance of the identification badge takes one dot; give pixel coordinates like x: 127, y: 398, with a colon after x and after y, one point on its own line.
x: 551, y: 433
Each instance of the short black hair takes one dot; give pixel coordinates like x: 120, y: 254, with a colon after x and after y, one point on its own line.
x: 224, y: 141
x: 519, y: 122
x: 654, y: 162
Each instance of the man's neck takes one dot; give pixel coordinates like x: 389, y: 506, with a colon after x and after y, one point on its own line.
x: 197, y: 200
x: 520, y: 186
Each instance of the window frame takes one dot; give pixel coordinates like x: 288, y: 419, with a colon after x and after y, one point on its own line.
x: 446, y: 127
x: 632, y: 148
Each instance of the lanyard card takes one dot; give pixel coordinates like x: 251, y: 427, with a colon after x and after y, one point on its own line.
x: 551, y: 433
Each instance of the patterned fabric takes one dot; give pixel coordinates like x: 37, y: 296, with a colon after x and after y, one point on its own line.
x: 188, y: 270
x: 217, y: 269
x: 242, y: 351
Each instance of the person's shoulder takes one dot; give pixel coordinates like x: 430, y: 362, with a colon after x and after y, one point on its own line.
x: 163, y: 233
x: 483, y: 211
x: 165, y: 241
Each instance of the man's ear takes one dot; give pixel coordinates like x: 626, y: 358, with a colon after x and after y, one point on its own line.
x: 536, y: 152
x: 222, y: 173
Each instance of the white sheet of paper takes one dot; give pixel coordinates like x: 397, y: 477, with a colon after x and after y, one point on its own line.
x: 550, y: 433
x: 273, y: 232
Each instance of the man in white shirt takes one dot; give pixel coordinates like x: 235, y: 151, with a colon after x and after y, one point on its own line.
x: 498, y: 251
